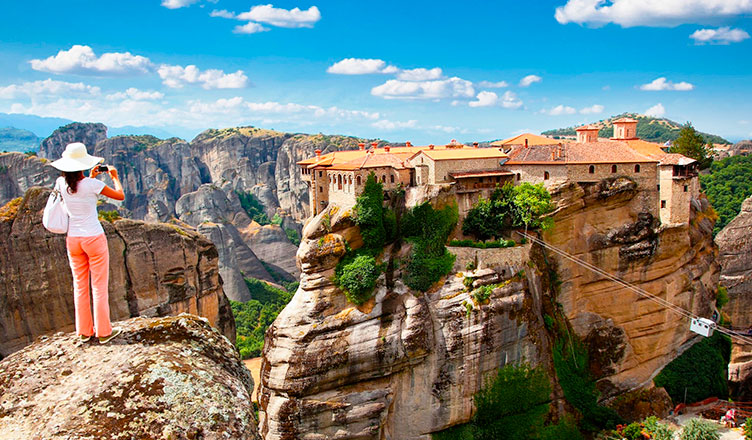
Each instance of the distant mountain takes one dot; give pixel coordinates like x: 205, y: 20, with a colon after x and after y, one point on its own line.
x: 648, y: 128
x: 40, y: 126
x: 17, y: 139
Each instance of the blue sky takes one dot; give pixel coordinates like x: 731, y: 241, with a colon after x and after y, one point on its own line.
x: 420, y: 71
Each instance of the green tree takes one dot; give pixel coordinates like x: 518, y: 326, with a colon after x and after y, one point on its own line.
x: 358, y: 278
x: 691, y: 144
x: 532, y: 202
x: 727, y: 185
x: 369, y: 213
x: 253, y: 317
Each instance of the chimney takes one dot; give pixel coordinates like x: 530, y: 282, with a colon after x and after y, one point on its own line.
x: 559, y: 151
x: 525, y: 142
x: 318, y: 154
x: 374, y: 144
x: 387, y: 148
x: 361, y: 146
x: 408, y: 144
x: 430, y: 147
x: 475, y: 144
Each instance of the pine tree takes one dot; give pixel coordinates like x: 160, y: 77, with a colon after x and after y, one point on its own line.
x: 691, y: 144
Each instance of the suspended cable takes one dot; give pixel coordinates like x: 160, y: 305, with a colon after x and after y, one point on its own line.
x: 627, y: 285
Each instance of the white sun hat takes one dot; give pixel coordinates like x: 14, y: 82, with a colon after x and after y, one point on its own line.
x: 76, y: 158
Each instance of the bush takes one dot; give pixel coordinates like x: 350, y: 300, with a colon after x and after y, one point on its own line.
x: 253, y: 207
x: 721, y: 297
x: 513, y: 405
x: 699, y: 429
x: 356, y: 275
x: 428, y: 229
x: 566, y: 429
x: 109, y: 216
x: 657, y: 431
x: 702, y: 370
x: 459, y: 432
x: 369, y: 214
x: 483, y: 244
x: 482, y: 293
x: 423, y: 270
x: 747, y: 430
x: 293, y: 236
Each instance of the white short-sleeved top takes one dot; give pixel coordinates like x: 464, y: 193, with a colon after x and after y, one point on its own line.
x: 82, y: 207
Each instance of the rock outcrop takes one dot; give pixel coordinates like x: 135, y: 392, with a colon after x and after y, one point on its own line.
x: 163, y: 378
x: 405, y: 364
x: 19, y: 172
x: 163, y: 179
x: 155, y: 270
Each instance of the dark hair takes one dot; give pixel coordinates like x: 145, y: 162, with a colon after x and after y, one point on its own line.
x: 72, y: 178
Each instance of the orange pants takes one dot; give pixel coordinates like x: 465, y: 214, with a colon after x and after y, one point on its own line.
x: 90, y: 254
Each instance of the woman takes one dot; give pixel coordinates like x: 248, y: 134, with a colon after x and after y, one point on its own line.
x: 86, y: 242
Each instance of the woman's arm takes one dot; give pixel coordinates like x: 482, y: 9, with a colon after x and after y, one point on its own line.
x: 116, y: 193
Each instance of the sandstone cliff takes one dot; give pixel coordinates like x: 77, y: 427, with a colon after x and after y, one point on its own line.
x: 155, y: 270
x: 407, y: 364
x: 164, y: 378
x: 164, y: 179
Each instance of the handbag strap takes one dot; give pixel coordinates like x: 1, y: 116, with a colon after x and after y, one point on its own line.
x: 59, y: 194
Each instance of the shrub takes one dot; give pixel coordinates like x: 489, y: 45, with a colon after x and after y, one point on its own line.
x: 657, y: 431
x: 702, y: 370
x: 747, y: 428
x: 699, y: 429
x: 721, y: 297
x: 468, y: 282
x: 482, y: 293
x: 512, y: 405
x: 109, y: 216
x: 277, y: 220
x: 482, y: 244
x: 565, y: 429
x: 423, y: 270
x: 253, y: 207
x: 458, y: 432
x: 428, y: 229
x: 357, y: 275
x: 471, y: 265
x: 293, y: 236
x: 369, y: 214
x: 548, y: 321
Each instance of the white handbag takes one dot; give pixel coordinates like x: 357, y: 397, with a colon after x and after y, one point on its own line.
x: 55, y: 218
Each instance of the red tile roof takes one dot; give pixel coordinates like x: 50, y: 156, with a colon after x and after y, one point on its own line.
x: 574, y: 152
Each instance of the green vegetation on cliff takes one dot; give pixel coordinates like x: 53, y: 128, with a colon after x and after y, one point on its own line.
x: 428, y: 230
x: 252, y: 318
x: 509, y: 207
x: 253, y: 207
x: 648, y: 128
x: 691, y: 144
x: 727, y: 185
x: 702, y: 371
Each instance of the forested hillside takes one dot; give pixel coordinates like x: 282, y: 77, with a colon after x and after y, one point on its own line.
x: 727, y: 185
x: 648, y: 128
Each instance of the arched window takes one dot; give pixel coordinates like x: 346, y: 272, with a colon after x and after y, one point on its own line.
x: 518, y: 176
x: 637, y: 168
x: 349, y: 184
x: 613, y: 168
x: 339, y: 182
x: 357, y: 181
x: 383, y: 178
x: 591, y: 170
x: 391, y: 178
x: 545, y: 175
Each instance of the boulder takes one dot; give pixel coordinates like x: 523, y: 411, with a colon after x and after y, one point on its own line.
x: 163, y: 378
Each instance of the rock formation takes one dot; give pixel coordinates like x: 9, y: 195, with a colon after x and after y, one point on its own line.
x: 404, y: 364
x: 164, y: 179
x: 735, y: 244
x: 155, y: 270
x: 163, y: 378
x: 19, y: 172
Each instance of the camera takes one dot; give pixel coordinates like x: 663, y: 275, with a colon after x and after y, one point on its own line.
x: 103, y: 168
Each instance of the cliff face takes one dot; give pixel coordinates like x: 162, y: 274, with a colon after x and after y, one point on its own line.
x: 155, y: 270
x: 19, y: 172
x: 163, y: 179
x: 163, y: 378
x: 406, y: 364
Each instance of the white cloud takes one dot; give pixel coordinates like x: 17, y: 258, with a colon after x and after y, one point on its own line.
x: 530, y: 79
x: 360, y: 66
x: 493, y: 85
x: 448, y: 129
x: 136, y: 95
x: 83, y: 61
x: 488, y: 99
x: 175, y: 4
x: 178, y: 76
x: 656, y: 111
x: 48, y: 87
x: 250, y: 28
x: 593, y: 109
x: 222, y: 13
x: 662, y: 83
x: 385, y: 124
x: 629, y: 13
x: 420, y: 74
x: 722, y: 35
x: 560, y: 110
x: 447, y: 88
x: 292, y: 18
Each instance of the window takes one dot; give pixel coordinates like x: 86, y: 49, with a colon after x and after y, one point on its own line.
x: 637, y: 168
x: 686, y: 188
x: 659, y: 187
x: 383, y: 178
x: 663, y: 203
x: 391, y: 178
x: 591, y: 170
x: 545, y: 175
x: 339, y: 182
x: 518, y: 176
x: 357, y: 181
x: 320, y: 173
x: 321, y: 189
x: 613, y: 168
x: 498, y: 179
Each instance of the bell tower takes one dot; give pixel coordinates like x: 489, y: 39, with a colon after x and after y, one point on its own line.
x: 625, y: 129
